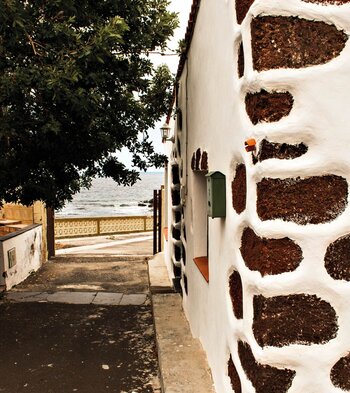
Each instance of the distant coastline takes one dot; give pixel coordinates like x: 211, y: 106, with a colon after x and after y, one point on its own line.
x: 105, y: 198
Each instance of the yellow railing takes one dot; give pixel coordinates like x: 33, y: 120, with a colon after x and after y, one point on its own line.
x: 94, y: 226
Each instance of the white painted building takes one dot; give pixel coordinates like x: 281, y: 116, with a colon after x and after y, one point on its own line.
x: 262, y: 97
x: 20, y: 255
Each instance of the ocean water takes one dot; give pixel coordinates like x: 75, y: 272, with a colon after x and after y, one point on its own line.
x: 106, y: 198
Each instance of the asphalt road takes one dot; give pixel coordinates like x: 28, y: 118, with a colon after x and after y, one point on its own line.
x: 61, y: 348
x: 52, y: 346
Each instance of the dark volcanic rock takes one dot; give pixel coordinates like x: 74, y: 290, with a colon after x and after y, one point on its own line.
x: 269, y: 256
x: 293, y: 319
x: 265, y: 378
x: 340, y: 373
x: 236, y: 294
x: 337, y: 259
x: 314, y: 200
x: 291, y: 42
x: 239, y: 189
x: 268, y: 106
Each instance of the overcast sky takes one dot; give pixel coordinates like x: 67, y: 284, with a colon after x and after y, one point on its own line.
x: 182, y: 7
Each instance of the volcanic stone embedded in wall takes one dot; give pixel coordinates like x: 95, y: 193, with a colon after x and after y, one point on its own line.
x: 281, y: 151
x: 176, y: 233
x: 340, y: 373
x: 240, y: 60
x: 293, y: 319
x: 175, y: 174
x: 314, y: 200
x: 175, y: 197
x: 291, y: 42
x: 177, y: 252
x: 198, y: 159
x: 176, y: 271
x: 268, y: 107
x: 239, y: 189
x: 337, y: 259
x: 264, y: 378
x: 236, y: 294
x: 234, y: 377
x: 242, y: 7
x: 193, y: 162
x: 204, y: 162
x: 177, y: 216
x: 269, y: 256
x: 186, y: 284
x: 335, y: 2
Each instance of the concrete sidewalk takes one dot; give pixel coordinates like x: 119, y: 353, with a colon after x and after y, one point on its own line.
x: 183, y: 364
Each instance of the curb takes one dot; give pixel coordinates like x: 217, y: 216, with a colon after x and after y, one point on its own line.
x: 182, y: 361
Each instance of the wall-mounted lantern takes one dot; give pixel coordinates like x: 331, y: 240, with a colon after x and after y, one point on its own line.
x: 216, y: 190
x: 165, y: 133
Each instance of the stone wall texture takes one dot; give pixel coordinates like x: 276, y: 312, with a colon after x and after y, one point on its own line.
x: 294, y: 310
x: 239, y: 189
x: 280, y: 151
x: 293, y: 319
x: 314, y: 200
x: 325, y: 2
x: 268, y: 106
x: 269, y: 256
x: 234, y: 377
x: 240, y: 60
x: 291, y: 42
x: 337, y: 259
x: 242, y: 7
x: 340, y: 373
x: 265, y: 379
x: 236, y: 294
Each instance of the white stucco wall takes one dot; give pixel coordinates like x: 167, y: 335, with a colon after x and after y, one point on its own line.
x: 28, y: 255
x: 215, y: 126
x: 210, y: 105
x: 211, y: 97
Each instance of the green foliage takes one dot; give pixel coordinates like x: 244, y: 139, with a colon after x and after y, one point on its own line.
x: 181, y: 47
x: 76, y: 84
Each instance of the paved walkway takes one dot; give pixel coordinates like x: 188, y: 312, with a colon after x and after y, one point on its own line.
x: 140, y: 244
x: 99, y: 298
x: 90, y: 274
x: 85, y: 323
x: 61, y: 348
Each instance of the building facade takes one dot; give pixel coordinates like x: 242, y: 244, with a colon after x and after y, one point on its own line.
x: 262, y: 100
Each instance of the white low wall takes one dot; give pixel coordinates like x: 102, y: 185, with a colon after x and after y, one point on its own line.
x: 25, y: 245
x: 95, y: 226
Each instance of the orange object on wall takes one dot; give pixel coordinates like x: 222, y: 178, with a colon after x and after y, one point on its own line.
x: 250, y: 144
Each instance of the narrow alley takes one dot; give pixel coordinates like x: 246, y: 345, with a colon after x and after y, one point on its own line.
x: 61, y: 331
x: 84, y: 323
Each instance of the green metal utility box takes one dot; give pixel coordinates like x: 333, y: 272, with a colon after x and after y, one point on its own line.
x: 216, y: 194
